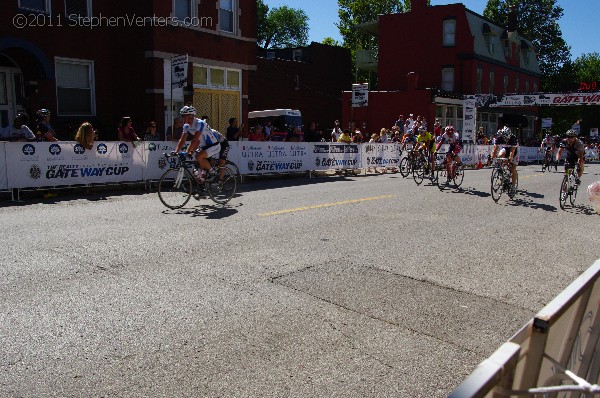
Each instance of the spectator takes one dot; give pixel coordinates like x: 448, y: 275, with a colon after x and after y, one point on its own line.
x: 177, y: 127
x: 257, y: 134
x: 18, y: 131
x: 293, y: 135
x: 44, y: 130
x: 396, y: 135
x: 125, y: 132
x: 233, y: 131
x: 481, y: 137
x: 422, y: 122
x: 267, y: 130
x: 345, y: 137
x: 151, y: 134
x: 312, y: 135
x: 85, y: 135
x: 400, y: 122
x: 336, y: 132
x: 383, y: 136
x: 437, y: 128
x: 411, y: 121
x: 374, y: 139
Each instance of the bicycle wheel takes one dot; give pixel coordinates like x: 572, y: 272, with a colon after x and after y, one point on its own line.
x: 405, y: 167
x: 234, y: 168
x: 175, y: 188
x: 442, y: 178
x: 459, y: 175
x: 564, y: 192
x: 496, y: 183
x: 572, y: 193
x: 418, y: 171
x: 221, y: 190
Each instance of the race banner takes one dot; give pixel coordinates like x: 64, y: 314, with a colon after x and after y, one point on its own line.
x: 155, y: 162
x: 3, y: 178
x: 470, y: 117
x: 50, y: 164
x: 380, y: 155
x: 545, y: 99
x: 274, y: 157
x: 335, y: 156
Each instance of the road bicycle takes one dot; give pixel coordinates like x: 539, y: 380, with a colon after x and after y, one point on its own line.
x: 450, y: 172
x: 568, y: 186
x: 177, y: 185
x: 422, y: 168
x: 501, y: 180
x: 407, y: 163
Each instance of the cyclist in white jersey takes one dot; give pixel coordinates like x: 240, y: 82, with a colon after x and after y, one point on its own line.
x: 206, y: 142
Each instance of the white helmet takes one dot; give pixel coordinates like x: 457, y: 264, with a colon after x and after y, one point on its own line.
x: 188, y: 110
x: 506, y: 131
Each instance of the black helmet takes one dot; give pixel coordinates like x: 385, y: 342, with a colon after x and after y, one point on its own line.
x: 42, y: 113
x: 571, y: 133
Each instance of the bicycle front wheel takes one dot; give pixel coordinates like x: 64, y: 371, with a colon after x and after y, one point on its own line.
x: 496, y: 185
x: 405, y: 168
x: 222, y: 187
x: 418, y: 172
x: 459, y: 175
x: 573, y: 193
x: 564, y: 192
x: 441, y: 175
x: 175, y: 188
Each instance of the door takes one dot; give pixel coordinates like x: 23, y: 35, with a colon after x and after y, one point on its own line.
x: 219, y: 106
x: 11, y: 95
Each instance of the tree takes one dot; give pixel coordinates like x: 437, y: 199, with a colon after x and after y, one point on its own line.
x: 281, y: 27
x: 330, y: 41
x: 354, y: 12
x: 537, y: 20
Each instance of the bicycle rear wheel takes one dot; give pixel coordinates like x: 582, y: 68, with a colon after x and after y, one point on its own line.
x: 221, y: 190
x: 564, y: 192
x: 175, y: 188
x: 496, y: 185
x: 405, y: 167
x: 441, y: 176
x: 459, y: 175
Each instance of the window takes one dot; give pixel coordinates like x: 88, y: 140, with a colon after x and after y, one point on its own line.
x: 297, y: 55
x: 526, y: 86
x: 448, y: 79
x: 217, y: 77
x: 449, y: 33
x: 81, y: 8
x: 200, y: 75
x: 19, y: 89
x: 517, y: 84
x: 505, y: 84
x: 492, y: 81
x: 226, y: 20
x: 535, y: 87
x: 35, y: 5
x: 183, y: 9
x: 233, y: 79
x: 526, y: 57
x: 75, y: 87
x: 478, y: 82
x: 507, y: 50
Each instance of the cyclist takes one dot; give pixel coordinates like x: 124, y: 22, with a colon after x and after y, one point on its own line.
x: 44, y: 130
x: 450, y: 137
x: 409, y: 138
x: 206, y: 142
x: 575, y: 152
x: 510, y: 148
x: 426, y: 144
x: 549, y: 145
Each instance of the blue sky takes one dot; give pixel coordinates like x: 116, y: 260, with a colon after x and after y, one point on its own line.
x: 579, y: 25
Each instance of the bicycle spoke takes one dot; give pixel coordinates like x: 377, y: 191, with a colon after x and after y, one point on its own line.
x: 222, y: 188
x: 175, y: 188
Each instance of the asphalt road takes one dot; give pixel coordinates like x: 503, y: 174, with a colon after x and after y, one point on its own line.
x: 333, y: 286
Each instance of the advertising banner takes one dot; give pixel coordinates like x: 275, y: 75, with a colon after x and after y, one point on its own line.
x: 546, y: 122
x: 155, y: 163
x: 179, y: 71
x: 360, y: 95
x: 274, y: 157
x: 380, y: 155
x: 3, y: 178
x: 48, y: 164
x: 335, y: 156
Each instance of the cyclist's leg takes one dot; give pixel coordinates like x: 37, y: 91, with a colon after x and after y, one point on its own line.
x: 223, y: 159
x: 202, y: 159
x: 513, y: 175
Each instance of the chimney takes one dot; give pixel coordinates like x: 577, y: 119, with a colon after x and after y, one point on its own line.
x: 512, y: 18
x: 418, y: 5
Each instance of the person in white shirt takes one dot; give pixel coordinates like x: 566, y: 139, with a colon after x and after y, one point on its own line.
x: 18, y: 131
x: 336, y: 132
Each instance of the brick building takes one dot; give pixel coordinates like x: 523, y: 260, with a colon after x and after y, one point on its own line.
x: 99, y: 60
x: 430, y: 57
x: 309, y: 79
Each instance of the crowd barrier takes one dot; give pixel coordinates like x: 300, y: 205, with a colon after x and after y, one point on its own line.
x: 57, y: 164
x: 560, y: 342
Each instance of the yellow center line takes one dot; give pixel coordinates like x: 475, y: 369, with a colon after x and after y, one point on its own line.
x: 344, y: 202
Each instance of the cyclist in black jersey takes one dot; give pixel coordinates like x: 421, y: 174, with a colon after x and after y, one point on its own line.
x: 575, y: 152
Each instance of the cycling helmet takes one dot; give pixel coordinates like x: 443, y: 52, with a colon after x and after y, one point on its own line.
x: 506, y: 131
x: 449, y: 129
x: 187, y: 110
x: 42, y: 113
x: 571, y: 133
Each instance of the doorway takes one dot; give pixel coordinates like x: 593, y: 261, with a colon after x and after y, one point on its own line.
x: 11, y: 94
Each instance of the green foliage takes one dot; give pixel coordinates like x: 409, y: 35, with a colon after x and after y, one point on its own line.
x: 587, y: 67
x: 329, y: 41
x: 537, y: 20
x: 281, y: 27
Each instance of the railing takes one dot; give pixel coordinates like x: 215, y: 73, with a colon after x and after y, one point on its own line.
x: 558, y: 350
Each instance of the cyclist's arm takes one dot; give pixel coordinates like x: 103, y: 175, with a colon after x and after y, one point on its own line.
x: 559, y: 154
x: 512, y: 153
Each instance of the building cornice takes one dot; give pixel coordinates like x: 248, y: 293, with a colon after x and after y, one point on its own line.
x: 202, y: 61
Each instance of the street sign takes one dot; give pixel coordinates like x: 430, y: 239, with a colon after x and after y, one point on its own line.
x: 360, y: 95
x: 179, y: 70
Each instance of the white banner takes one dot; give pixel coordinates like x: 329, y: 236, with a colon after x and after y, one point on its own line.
x: 48, y: 164
x: 3, y: 177
x: 470, y: 116
x: 380, y: 155
x: 360, y: 95
x: 179, y: 70
x: 274, y: 157
x: 546, y: 122
x: 335, y: 156
x: 492, y: 101
x: 155, y: 163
